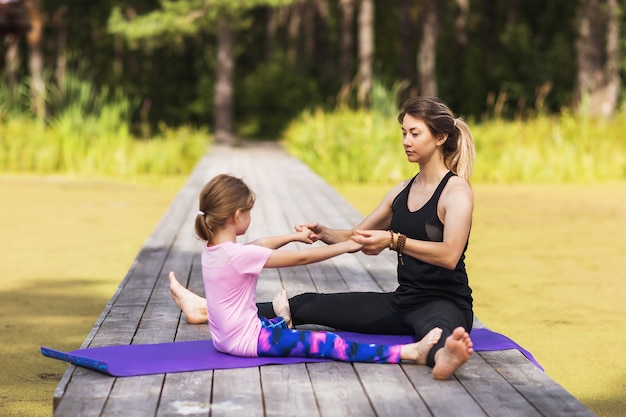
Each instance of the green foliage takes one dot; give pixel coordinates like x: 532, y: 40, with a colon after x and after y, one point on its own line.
x: 263, y: 114
x: 348, y: 146
x: 96, y: 147
x: 546, y: 149
x: 176, y: 19
x: 90, y: 134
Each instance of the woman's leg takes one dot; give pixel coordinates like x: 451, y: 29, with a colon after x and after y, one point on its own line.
x: 443, y: 314
x: 363, y: 312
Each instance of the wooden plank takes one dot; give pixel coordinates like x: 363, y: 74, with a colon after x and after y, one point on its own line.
x: 237, y: 392
x: 338, y: 390
x: 491, y: 390
x: 443, y: 398
x: 186, y: 393
x: 287, y: 391
x: 535, y: 385
x: 390, y: 391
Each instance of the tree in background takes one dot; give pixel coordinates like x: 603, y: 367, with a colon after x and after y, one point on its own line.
x: 14, y: 23
x: 187, y: 18
x: 427, y: 55
x: 365, y: 75
x: 35, y: 58
x: 597, y: 55
x: 273, y: 58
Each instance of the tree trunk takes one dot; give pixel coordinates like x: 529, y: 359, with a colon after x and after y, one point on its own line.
x: 294, y: 49
x: 271, y: 30
x: 224, y: 83
x: 11, y: 61
x: 59, y: 22
x: 365, y: 75
x: 597, y: 86
x: 588, y: 56
x: 427, y: 55
x: 490, y: 34
x: 35, y: 58
x: 460, y: 35
x: 322, y: 42
x: 611, y: 69
x: 407, y: 27
x: 346, y: 45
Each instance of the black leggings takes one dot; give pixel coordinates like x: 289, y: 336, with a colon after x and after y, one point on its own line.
x: 375, y: 313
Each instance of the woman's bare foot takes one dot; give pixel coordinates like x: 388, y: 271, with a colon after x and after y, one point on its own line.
x: 456, y: 352
x: 418, y: 351
x: 192, y: 305
x: 281, y: 307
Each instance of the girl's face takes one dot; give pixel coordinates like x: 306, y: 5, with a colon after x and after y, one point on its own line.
x: 419, y: 144
x: 243, y: 219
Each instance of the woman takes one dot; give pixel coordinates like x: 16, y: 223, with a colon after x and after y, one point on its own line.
x: 426, y: 219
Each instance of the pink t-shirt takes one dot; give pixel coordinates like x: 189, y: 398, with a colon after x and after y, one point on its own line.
x: 230, y: 272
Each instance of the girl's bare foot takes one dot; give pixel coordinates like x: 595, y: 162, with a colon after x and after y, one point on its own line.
x: 192, y: 305
x: 418, y: 351
x: 456, y: 352
x: 281, y: 307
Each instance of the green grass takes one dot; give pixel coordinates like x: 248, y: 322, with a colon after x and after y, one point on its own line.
x: 89, y: 132
x: 349, y: 146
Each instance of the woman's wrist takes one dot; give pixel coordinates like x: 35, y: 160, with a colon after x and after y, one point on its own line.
x: 397, y: 241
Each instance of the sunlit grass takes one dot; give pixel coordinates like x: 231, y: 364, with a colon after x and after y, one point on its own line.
x: 89, y: 132
x: 348, y: 146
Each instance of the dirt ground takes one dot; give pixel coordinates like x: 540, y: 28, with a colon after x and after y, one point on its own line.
x: 545, y: 263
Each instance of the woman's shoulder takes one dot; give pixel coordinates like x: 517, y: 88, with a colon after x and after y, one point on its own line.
x: 457, y: 187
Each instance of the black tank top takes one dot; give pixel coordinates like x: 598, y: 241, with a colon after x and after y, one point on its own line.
x: 419, y: 281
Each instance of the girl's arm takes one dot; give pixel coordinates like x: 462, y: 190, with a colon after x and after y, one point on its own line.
x: 275, y: 242
x: 455, y: 210
x: 285, y: 258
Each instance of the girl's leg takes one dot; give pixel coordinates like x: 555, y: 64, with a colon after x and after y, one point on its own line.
x: 363, y: 312
x: 281, y: 342
x: 192, y: 305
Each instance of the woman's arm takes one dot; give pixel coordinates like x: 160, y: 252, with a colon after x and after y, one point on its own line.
x: 455, y: 208
x: 379, y: 218
x: 285, y: 258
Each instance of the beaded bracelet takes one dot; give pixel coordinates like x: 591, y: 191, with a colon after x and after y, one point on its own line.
x: 391, y: 245
x: 400, y: 246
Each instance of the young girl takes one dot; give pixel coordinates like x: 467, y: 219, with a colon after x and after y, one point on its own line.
x: 230, y: 272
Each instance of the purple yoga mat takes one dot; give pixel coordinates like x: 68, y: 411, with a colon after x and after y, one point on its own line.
x: 134, y: 360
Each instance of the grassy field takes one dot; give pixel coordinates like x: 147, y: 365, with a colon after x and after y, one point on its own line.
x: 545, y: 263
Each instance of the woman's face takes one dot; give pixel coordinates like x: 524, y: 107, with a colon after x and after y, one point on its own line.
x: 419, y: 144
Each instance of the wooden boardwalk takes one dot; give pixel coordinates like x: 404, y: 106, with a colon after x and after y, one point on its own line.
x: 502, y: 383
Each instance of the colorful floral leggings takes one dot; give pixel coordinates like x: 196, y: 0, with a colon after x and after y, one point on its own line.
x: 277, y: 340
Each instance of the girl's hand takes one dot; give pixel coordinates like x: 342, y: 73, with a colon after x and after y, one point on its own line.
x: 315, y: 230
x: 304, y: 235
x: 373, y: 241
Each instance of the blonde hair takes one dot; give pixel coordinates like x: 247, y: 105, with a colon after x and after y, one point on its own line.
x: 458, y: 149
x: 220, y: 198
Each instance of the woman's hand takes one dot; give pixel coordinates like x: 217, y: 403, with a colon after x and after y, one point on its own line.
x: 315, y: 230
x: 373, y: 241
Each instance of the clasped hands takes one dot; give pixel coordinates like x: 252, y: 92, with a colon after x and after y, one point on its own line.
x: 372, y: 242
